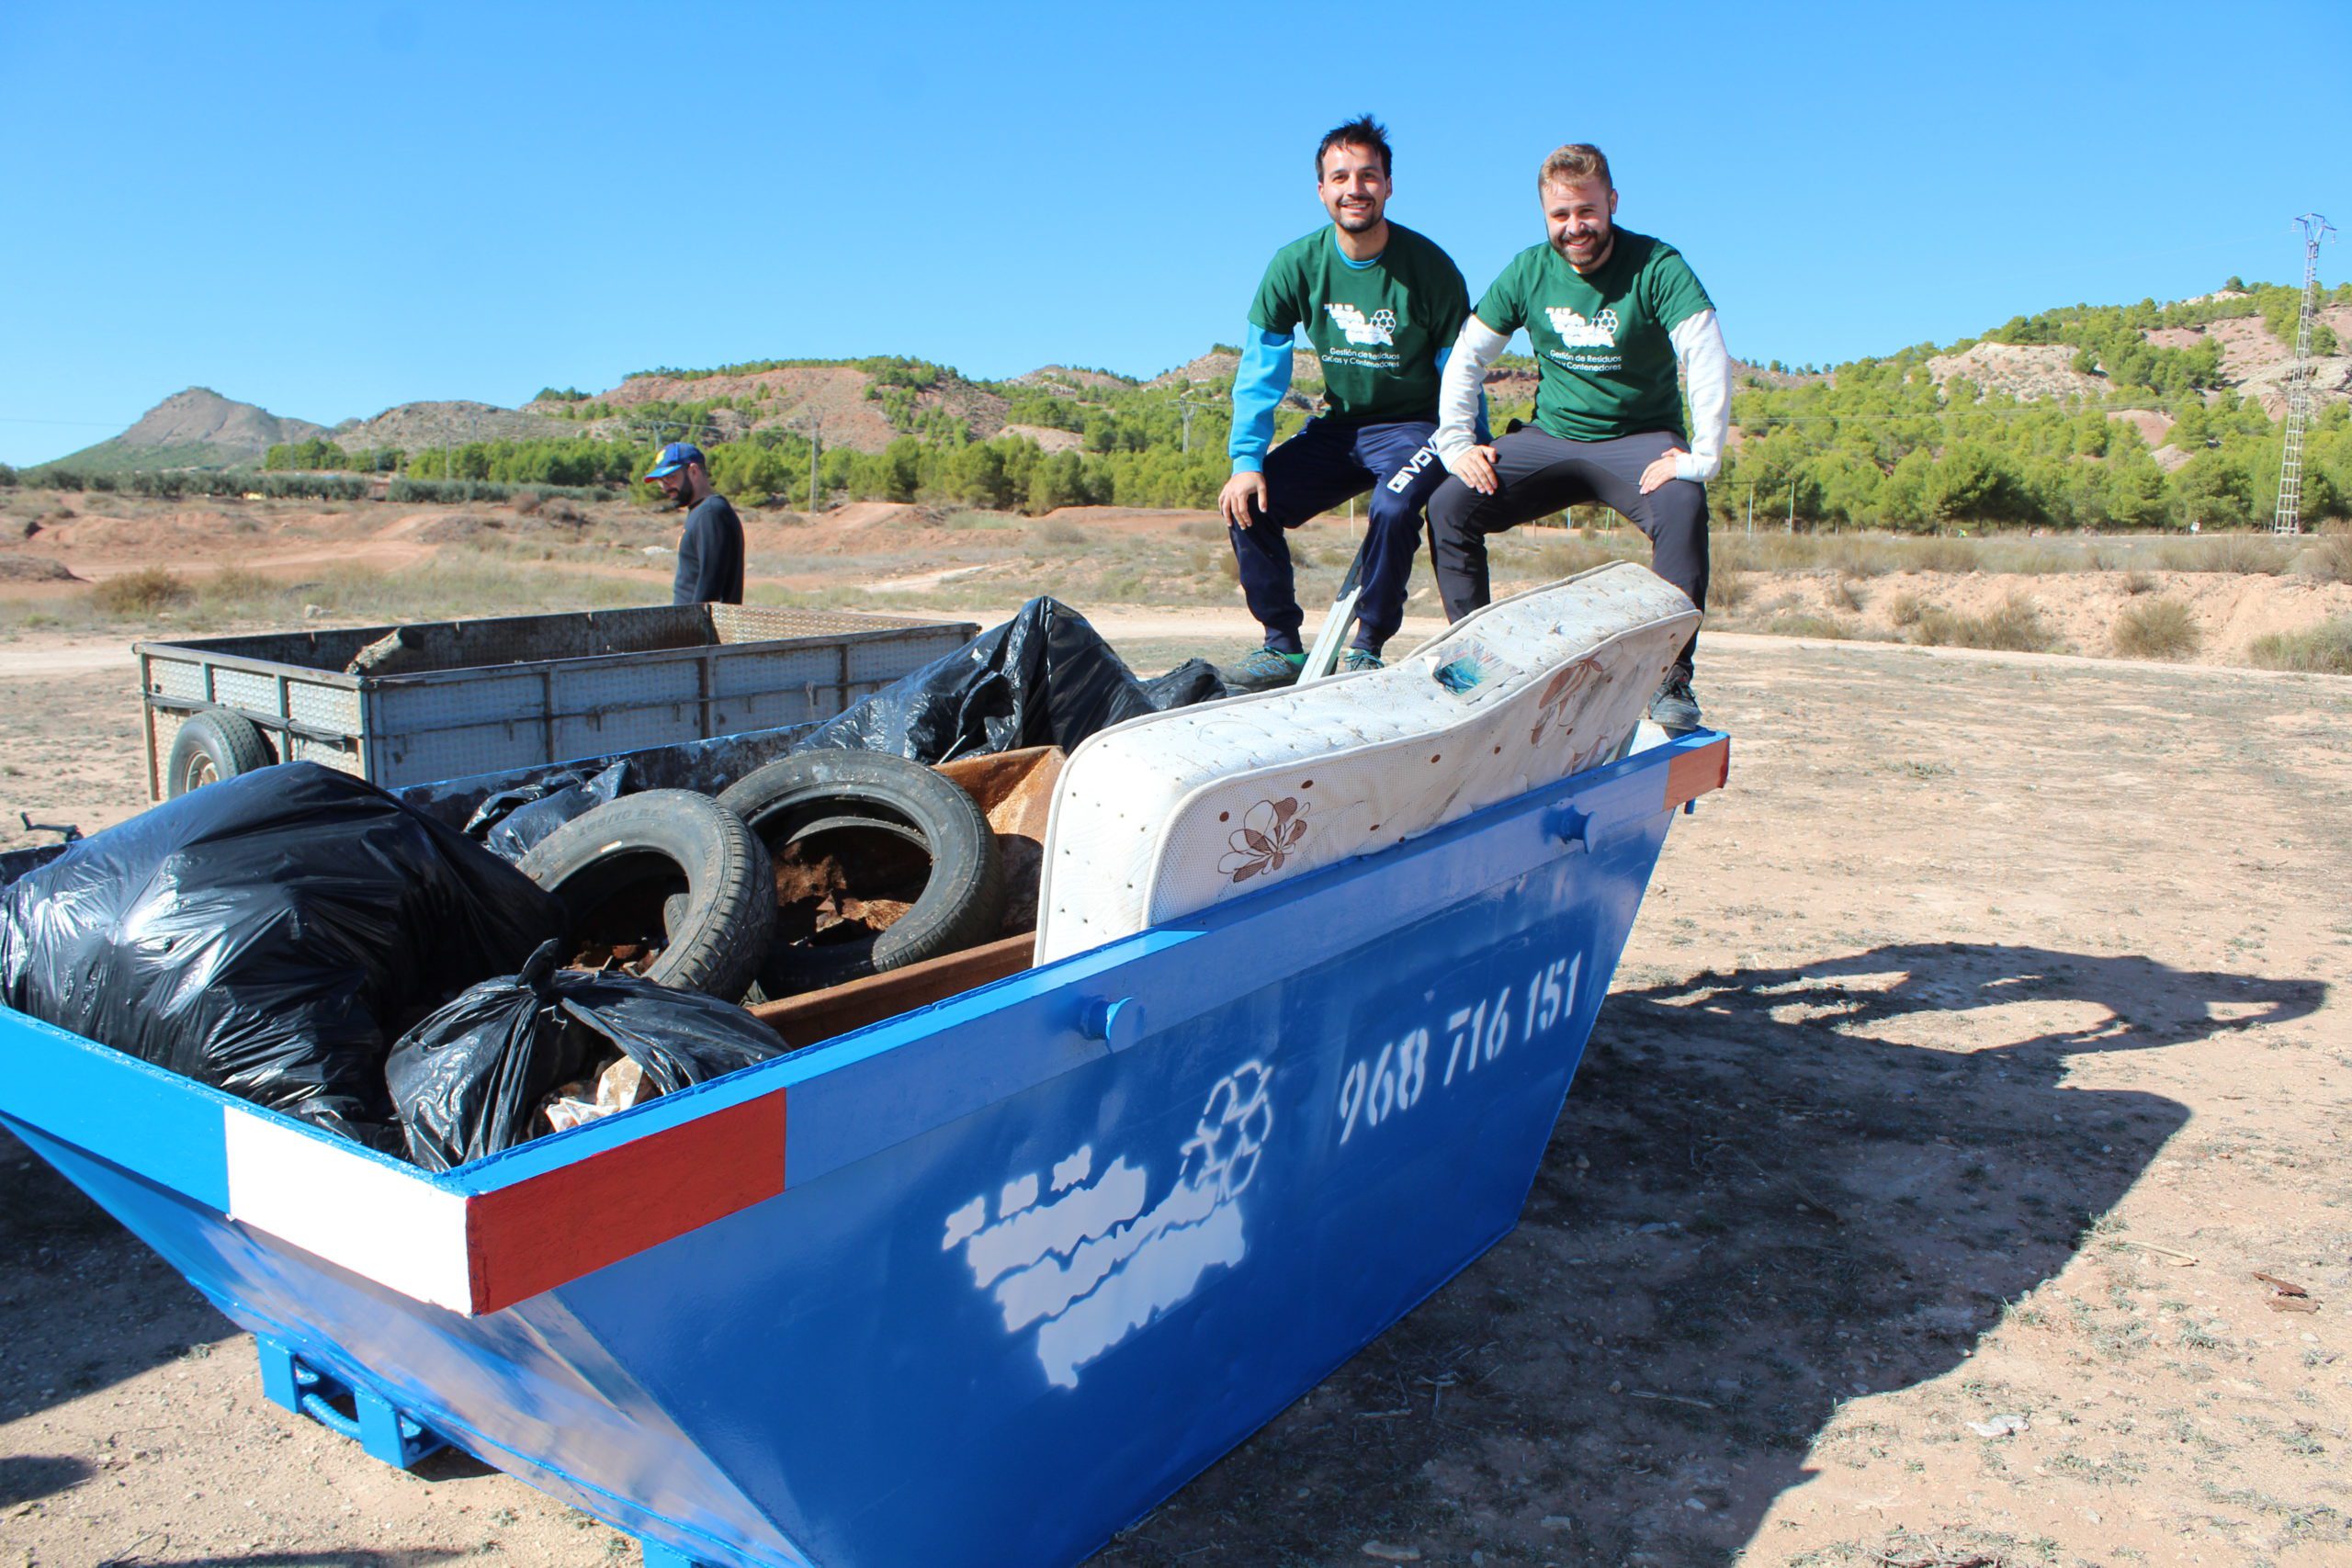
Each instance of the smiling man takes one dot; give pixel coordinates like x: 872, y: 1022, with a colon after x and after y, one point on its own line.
x: 1381, y: 307
x: 1610, y: 313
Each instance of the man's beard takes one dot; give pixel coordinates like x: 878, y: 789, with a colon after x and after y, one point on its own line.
x: 1355, y: 220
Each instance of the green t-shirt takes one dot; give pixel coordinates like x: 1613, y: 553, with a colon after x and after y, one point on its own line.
x: 1376, y: 328
x: 1606, y: 364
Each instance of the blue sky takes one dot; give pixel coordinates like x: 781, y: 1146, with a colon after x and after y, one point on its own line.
x: 328, y: 210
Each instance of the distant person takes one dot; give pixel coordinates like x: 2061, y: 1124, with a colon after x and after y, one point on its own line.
x: 1381, y: 306
x: 1610, y: 313
x: 711, y: 547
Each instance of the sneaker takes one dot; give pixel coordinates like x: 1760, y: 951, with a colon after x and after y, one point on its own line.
x: 1357, y: 658
x: 1674, y: 709
x: 1264, y: 671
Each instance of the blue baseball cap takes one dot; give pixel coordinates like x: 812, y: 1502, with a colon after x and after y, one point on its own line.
x: 675, y: 456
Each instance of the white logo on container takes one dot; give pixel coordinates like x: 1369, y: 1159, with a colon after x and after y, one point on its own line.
x: 1091, y: 1266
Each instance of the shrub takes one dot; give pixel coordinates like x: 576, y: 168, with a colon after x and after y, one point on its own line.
x: 2325, y: 648
x: 1060, y: 533
x: 529, y: 501
x: 2137, y: 582
x: 1806, y: 626
x: 2329, y: 558
x: 1907, y: 609
x: 141, y: 593
x: 2246, y: 554
x: 2016, y: 626
x: 1844, y: 595
x: 1726, y: 589
x: 2156, y: 628
x: 1944, y: 555
x: 7, y: 477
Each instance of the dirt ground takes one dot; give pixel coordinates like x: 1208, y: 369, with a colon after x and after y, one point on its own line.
x: 1973, y: 1051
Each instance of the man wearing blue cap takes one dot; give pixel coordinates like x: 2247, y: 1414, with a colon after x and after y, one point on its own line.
x: 710, y: 548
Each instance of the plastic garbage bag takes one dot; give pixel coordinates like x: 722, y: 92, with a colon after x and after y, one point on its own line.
x: 270, y: 934
x: 474, y: 1077
x: 1044, y: 678
x: 509, y: 822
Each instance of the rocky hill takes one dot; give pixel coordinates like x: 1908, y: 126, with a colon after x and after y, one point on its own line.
x: 195, y: 429
x: 414, y: 426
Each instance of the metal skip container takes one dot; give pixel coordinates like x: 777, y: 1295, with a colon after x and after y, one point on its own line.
x: 982, y: 1283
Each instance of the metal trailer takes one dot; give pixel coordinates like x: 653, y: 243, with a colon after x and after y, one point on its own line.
x: 980, y: 1283
x: 464, y: 698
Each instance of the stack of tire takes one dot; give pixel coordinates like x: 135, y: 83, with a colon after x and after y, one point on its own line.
x: 706, y: 868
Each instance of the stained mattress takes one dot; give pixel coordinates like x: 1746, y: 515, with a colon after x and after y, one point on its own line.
x: 1168, y: 814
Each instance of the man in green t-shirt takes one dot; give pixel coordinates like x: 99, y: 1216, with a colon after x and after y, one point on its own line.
x: 1610, y: 313
x: 1381, y: 307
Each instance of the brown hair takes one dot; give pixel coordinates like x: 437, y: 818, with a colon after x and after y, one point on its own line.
x: 1362, y: 131
x: 1576, y: 161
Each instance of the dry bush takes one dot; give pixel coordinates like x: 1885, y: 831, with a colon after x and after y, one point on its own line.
x: 2330, y: 558
x: 1852, y: 556
x: 2156, y: 628
x: 1784, y: 552
x: 1944, y: 555
x: 2325, y: 648
x: 1058, y: 533
x: 2138, y: 583
x: 1726, y: 589
x: 141, y: 593
x: 1302, y: 557
x: 234, y: 587
x: 2016, y: 626
x: 2252, y: 555
x: 1199, y: 529
x: 1907, y: 609
x: 1844, y: 595
x: 529, y: 501
x: 1807, y: 625
x: 1566, y: 557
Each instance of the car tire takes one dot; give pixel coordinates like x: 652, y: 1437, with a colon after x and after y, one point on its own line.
x: 212, y: 746
x: 799, y: 800
x: 672, y: 860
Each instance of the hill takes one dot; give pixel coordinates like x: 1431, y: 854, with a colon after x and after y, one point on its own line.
x: 195, y: 429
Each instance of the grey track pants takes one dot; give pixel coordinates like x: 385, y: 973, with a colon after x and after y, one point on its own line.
x: 1539, y: 474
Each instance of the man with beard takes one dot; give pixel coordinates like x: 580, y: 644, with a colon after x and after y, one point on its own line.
x: 1610, y: 313
x: 711, y: 547
x: 1381, y: 306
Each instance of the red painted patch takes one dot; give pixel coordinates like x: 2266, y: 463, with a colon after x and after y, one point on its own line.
x: 1693, y: 773
x: 553, y: 1228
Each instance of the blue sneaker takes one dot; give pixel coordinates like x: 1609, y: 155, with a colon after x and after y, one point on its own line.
x: 1357, y: 658
x: 1674, y: 709
x: 1264, y: 671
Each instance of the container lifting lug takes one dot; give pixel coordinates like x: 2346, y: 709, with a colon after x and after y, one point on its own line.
x: 375, y: 1424
x: 1116, y: 1023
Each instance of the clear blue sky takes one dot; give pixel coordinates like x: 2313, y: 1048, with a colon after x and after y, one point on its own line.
x: 328, y: 210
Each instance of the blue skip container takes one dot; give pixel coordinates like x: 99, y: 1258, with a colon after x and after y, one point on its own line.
x: 981, y: 1283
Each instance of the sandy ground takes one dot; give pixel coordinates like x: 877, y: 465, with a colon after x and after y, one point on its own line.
x: 1972, y: 1054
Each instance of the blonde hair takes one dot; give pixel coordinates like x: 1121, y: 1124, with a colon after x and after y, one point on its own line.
x: 1576, y: 161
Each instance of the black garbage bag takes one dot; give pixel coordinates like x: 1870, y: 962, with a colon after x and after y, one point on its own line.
x: 270, y: 934
x: 509, y: 822
x: 469, y: 1080
x: 1044, y: 678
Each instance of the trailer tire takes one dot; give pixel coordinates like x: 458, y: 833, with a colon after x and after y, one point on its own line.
x: 212, y: 746
x: 673, y: 860
x: 793, y: 799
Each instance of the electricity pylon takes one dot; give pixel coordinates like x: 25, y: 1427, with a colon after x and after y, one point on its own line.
x: 2288, y: 517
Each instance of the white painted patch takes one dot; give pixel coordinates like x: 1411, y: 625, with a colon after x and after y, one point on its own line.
x: 1018, y: 1195
x: 390, y: 1226
x: 1094, y: 1266
x: 964, y: 1222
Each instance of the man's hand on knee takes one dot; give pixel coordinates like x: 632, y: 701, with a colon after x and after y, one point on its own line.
x: 1659, y: 472
x: 1239, y: 493
x: 1475, y: 466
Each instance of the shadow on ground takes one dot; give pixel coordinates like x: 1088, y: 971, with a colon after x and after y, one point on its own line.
x: 1772, y: 1190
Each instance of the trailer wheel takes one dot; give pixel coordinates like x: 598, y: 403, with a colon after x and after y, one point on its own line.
x: 667, y: 885
x: 880, y: 863
x: 212, y: 746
